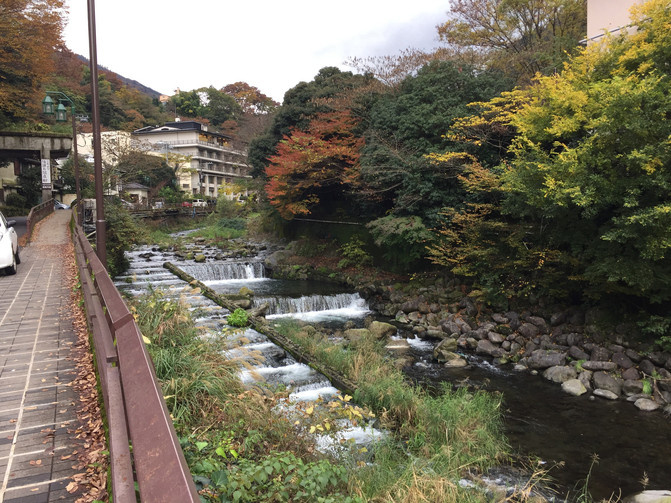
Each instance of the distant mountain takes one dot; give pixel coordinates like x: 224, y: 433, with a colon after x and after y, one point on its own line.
x: 134, y: 84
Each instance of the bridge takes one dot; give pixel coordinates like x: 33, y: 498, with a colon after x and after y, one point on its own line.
x: 32, y: 148
x: 16, y: 145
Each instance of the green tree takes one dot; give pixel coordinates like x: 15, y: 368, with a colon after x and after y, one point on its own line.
x: 188, y: 103
x: 408, y: 123
x: 85, y: 176
x: 219, y: 107
x: 30, y: 181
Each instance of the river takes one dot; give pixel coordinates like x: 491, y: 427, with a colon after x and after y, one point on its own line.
x: 563, y: 431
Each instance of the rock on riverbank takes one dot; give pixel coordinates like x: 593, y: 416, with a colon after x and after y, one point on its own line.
x: 566, y: 346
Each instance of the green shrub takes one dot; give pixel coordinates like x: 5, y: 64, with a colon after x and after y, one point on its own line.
x: 16, y: 200
x: 403, y: 239
x: 354, y: 254
x: 238, y: 224
x: 238, y: 318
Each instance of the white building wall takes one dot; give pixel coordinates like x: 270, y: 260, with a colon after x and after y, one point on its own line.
x: 607, y: 16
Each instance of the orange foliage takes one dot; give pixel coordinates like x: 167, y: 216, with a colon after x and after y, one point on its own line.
x: 310, y: 163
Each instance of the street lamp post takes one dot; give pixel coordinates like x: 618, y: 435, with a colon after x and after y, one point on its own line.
x: 61, y: 116
x: 97, y: 151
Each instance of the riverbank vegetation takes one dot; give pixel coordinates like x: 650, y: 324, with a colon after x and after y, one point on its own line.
x: 553, y: 192
x: 239, y: 443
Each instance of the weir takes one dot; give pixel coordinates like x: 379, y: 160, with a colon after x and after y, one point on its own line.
x: 311, y: 303
x: 226, y: 271
x: 260, y: 325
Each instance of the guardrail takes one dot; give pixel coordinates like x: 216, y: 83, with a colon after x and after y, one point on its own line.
x: 134, y: 404
x: 36, y: 214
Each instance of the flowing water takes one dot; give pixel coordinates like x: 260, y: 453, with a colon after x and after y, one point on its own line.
x: 563, y: 431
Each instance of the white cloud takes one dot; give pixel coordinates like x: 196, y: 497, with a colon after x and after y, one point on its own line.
x: 165, y: 44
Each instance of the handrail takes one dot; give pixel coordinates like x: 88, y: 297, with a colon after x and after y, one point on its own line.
x: 36, y: 214
x: 132, y: 395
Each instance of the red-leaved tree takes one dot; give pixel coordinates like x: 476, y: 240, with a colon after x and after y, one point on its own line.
x: 315, y: 166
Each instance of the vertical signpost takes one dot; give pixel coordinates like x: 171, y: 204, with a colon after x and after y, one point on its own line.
x: 46, y: 180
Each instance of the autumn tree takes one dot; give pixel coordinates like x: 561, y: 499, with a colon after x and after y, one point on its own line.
x: 314, y: 168
x: 250, y: 99
x: 519, y: 37
x: 302, y: 103
x: 257, y: 112
x: 30, y: 30
x: 586, y: 185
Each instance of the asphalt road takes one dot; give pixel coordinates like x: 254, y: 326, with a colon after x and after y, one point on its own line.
x: 20, y: 226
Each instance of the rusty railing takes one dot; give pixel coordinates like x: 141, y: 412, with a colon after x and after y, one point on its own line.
x: 134, y: 404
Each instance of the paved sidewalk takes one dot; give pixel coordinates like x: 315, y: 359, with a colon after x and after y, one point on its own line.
x: 38, y: 419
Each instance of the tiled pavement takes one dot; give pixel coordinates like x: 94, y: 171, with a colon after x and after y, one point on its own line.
x: 37, y: 407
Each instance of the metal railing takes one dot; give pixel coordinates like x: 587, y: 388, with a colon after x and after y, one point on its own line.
x: 136, y: 412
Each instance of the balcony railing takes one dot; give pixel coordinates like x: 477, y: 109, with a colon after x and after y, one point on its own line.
x: 204, y: 143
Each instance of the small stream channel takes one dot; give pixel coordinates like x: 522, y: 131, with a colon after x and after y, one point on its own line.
x: 540, y: 419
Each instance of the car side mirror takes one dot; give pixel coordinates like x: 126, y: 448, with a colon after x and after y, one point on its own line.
x: 11, y: 223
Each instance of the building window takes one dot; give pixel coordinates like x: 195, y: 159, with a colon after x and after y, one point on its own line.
x: 186, y: 185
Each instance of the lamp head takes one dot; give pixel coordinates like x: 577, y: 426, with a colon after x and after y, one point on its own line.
x: 61, y: 113
x: 48, y: 105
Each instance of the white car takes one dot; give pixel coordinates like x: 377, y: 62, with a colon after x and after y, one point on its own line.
x: 9, y: 246
x: 199, y: 203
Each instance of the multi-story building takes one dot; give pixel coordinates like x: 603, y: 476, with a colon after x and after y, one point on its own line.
x: 205, y: 160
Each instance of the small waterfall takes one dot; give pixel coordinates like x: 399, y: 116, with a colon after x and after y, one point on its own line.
x: 312, y: 303
x: 231, y: 271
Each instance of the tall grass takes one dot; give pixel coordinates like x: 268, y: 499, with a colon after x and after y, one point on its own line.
x: 196, y: 380
x: 438, y: 437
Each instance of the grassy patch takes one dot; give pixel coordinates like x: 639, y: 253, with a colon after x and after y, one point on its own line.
x: 438, y: 436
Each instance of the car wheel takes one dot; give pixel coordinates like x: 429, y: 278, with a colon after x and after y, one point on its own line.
x: 16, y: 257
x: 12, y: 268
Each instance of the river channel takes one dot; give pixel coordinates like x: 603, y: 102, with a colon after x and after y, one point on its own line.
x: 541, y: 421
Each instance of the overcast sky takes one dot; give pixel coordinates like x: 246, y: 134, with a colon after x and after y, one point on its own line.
x: 169, y: 44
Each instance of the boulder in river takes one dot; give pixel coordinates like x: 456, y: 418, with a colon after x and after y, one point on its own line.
x: 599, y: 365
x: 486, y: 347
x: 355, y: 334
x: 604, y: 380
x: 381, y: 330
x: 542, y: 359
x: 573, y: 387
x: 604, y: 393
x: 442, y: 351
x: 454, y: 360
x: 560, y: 373
x: 647, y: 405
x: 649, y: 497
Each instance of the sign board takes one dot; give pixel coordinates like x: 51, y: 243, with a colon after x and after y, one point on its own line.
x: 46, y: 173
